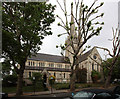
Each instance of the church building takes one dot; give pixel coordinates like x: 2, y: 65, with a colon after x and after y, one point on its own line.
x: 59, y: 66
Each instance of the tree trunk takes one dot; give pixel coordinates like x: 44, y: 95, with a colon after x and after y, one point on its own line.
x: 19, y: 84
x: 72, y: 81
x: 107, y: 82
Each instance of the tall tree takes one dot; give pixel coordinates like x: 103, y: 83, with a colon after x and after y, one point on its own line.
x: 82, y: 27
x: 24, y: 26
x: 114, y: 54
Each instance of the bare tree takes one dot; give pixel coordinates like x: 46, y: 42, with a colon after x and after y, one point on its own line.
x: 114, y: 54
x: 82, y: 27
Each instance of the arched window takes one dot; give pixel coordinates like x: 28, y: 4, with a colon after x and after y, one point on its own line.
x: 92, y: 66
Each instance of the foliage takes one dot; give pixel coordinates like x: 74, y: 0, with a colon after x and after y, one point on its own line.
x: 38, y: 76
x: 24, y: 26
x: 6, y: 67
x: 116, y: 72
x: 95, y: 76
x: 81, y: 75
x: 59, y: 86
x: 38, y: 80
x: 9, y: 80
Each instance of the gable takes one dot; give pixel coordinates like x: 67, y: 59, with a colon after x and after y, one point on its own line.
x: 93, y: 53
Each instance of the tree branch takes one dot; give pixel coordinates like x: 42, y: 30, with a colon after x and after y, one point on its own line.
x: 105, y: 50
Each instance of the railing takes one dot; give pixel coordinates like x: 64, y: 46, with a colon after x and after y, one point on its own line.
x: 47, y: 68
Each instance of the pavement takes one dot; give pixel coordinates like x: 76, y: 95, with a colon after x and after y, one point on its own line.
x: 40, y: 93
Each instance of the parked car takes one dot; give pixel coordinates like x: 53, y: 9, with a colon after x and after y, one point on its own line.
x: 116, y: 81
x: 4, y: 95
x: 96, y: 94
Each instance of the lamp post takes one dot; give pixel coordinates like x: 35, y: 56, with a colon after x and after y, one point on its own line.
x: 34, y: 84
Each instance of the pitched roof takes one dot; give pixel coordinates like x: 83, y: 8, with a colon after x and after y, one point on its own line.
x: 48, y: 58
x: 84, y: 56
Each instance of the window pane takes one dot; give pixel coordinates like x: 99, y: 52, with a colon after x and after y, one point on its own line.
x: 83, y: 94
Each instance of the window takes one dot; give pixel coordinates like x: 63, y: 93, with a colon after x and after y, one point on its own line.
x: 51, y: 65
x: 59, y: 66
x: 95, y: 56
x: 29, y: 74
x: 36, y: 63
x: 67, y: 66
x: 83, y: 95
x: 29, y: 63
x: 33, y: 63
x: 97, y: 67
x: 92, y: 66
x: 41, y: 64
x: 54, y: 74
x: 64, y: 75
x: 103, y: 96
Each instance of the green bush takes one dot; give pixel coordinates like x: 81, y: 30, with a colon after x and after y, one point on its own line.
x: 59, y: 86
x: 9, y: 80
x: 95, y: 75
x: 38, y: 76
x: 38, y: 81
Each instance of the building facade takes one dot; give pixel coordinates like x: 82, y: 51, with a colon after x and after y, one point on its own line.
x: 58, y: 66
x: 48, y: 65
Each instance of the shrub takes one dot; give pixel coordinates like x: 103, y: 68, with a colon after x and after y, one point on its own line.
x: 95, y: 75
x: 59, y: 86
x: 9, y: 80
x: 37, y: 81
x: 81, y: 75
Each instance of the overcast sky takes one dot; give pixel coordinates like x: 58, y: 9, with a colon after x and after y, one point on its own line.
x: 110, y: 10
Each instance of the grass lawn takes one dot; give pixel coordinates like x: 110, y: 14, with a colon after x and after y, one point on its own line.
x: 25, y: 89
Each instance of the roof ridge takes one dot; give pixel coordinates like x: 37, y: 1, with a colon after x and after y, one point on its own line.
x: 49, y: 54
